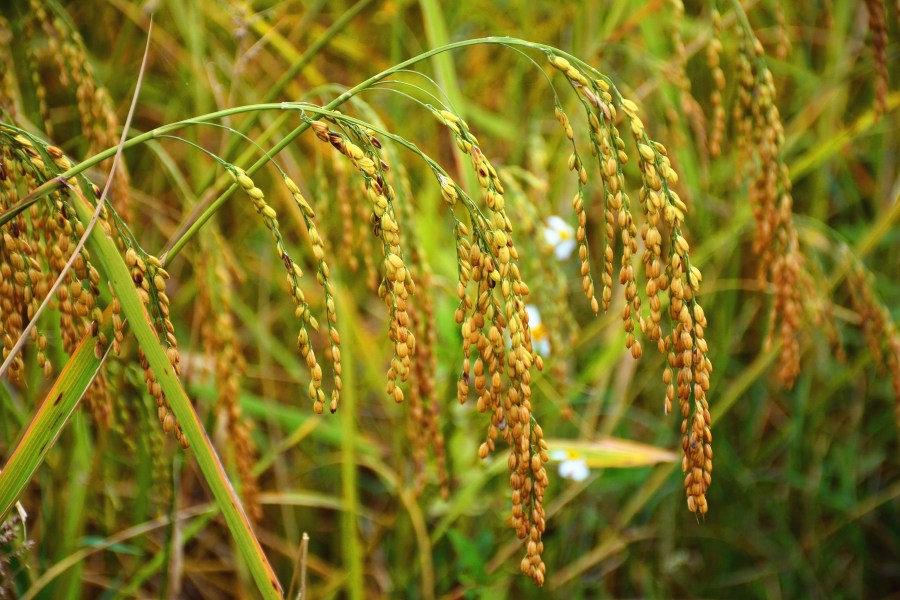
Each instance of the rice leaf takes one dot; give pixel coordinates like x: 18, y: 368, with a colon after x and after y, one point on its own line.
x: 106, y: 254
x: 61, y: 400
x: 610, y: 452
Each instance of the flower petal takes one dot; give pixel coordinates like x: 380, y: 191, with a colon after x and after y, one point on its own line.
x: 580, y: 470
x: 565, y: 468
x: 576, y: 470
x: 559, y: 224
x: 552, y: 236
x: 559, y: 455
x: 564, y: 249
x: 534, y: 316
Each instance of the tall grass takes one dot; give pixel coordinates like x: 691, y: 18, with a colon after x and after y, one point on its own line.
x: 307, y: 140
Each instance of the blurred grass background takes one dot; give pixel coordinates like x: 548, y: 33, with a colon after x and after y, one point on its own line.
x: 805, y: 495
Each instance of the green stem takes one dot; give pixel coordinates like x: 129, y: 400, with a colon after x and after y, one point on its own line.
x: 289, y: 75
x: 54, y: 185
x: 352, y: 557
x: 215, y: 206
x: 437, y: 36
x: 220, y: 201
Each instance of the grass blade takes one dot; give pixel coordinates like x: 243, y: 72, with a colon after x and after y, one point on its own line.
x: 352, y: 556
x: 132, y: 532
x: 290, y: 75
x: 436, y: 32
x: 106, y: 254
x: 73, y: 381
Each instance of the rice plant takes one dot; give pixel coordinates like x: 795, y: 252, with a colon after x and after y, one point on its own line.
x: 453, y: 181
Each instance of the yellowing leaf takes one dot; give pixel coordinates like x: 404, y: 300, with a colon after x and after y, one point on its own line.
x: 610, y: 452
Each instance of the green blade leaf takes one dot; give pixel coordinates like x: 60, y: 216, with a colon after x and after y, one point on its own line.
x: 70, y: 386
x: 104, y: 252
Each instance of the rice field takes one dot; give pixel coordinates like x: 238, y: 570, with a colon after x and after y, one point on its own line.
x: 445, y: 300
